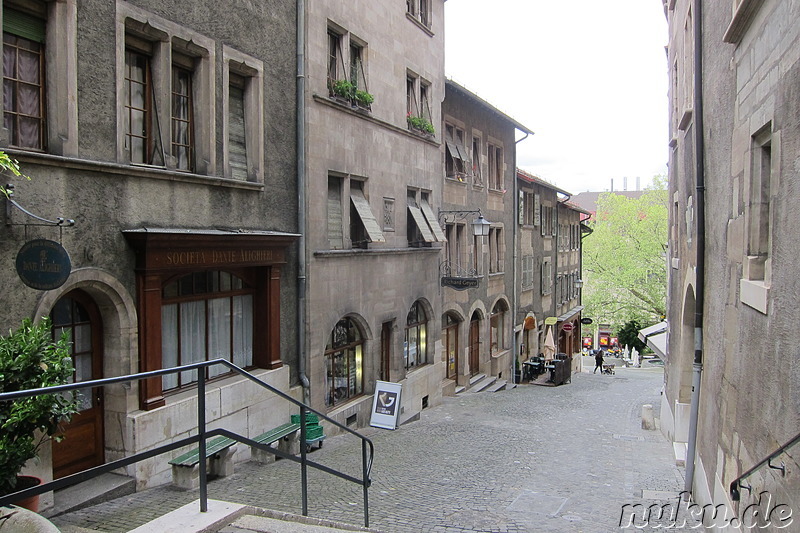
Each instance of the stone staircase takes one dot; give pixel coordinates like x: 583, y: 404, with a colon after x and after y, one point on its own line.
x: 484, y: 383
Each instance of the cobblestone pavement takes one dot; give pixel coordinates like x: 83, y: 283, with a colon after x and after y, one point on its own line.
x: 560, y: 459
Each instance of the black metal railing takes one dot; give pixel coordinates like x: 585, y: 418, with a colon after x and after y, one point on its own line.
x: 367, y: 447
x: 737, y: 484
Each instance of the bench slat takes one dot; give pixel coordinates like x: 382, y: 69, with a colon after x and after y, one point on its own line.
x: 277, y: 433
x: 214, y: 446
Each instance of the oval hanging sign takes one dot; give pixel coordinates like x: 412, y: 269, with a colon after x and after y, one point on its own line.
x: 43, y: 264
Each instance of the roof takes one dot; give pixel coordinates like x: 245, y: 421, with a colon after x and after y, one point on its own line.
x: 588, y: 200
x: 530, y: 178
x: 469, y: 94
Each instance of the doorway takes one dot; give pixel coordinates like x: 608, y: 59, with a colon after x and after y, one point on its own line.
x: 474, y: 344
x: 83, y: 444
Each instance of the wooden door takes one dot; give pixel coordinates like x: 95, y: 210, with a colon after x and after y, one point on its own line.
x: 386, y: 350
x: 83, y: 445
x: 474, y: 346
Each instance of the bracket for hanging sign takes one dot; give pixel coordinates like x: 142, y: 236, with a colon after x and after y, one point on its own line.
x: 59, y: 222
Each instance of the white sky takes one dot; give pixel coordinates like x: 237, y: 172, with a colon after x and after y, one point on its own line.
x: 588, y: 77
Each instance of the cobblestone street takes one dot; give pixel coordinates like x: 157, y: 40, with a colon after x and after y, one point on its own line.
x: 560, y: 459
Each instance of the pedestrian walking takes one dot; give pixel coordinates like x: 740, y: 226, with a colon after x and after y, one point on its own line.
x: 598, y: 361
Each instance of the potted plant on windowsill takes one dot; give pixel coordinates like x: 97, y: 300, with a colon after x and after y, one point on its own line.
x: 343, y: 90
x: 363, y: 99
x: 420, y: 125
x: 31, y: 359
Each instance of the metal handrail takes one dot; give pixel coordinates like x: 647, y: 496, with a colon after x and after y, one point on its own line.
x: 367, y: 447
x: 736, y: 484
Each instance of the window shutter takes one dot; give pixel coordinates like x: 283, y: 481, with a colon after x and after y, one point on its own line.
x: 237, y: 144
x: 23, y: 25
x: 335, y: 232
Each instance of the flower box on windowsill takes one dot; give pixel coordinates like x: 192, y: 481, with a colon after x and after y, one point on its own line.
x: 421, y: 126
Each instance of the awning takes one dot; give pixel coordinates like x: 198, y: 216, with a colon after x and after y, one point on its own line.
x: 367, y: 218
x: 655, y: 337
x: 431, y: 218
x: 569, y: 314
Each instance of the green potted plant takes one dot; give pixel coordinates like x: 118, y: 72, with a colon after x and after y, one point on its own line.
x: 343, y: 89
x: 30, y: 359
x: 421, y: 124
x: 363, y: 98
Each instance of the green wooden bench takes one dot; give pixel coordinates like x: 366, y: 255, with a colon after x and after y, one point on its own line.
x: 285, y: 435
x: 186, y: 470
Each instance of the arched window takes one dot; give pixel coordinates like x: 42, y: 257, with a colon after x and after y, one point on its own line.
x: 415, y: 346
x: 205, y: 316
x: 450, y: 340
x: 344, y: 363
x: 497, y: 327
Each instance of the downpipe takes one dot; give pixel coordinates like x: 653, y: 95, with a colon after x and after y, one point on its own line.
x: 300, y: 102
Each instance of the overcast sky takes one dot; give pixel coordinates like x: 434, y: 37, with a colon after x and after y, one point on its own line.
x: 588, y: 77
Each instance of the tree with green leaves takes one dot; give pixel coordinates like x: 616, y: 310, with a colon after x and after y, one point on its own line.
x: 9, y: 165
x: 625, y: 258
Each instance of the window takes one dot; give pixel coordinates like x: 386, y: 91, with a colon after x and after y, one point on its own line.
x: 759, y: 227
x: 546, y: 277
x: 182, y: 113
x: 455, y: 153
x: 420, y: 11
x: 167, y: 94
x: 204, y: 316
x: 456, y: 251
x: 424, y: 100
x: 477, y: 175
x: 450, y: 341
x: 528, y: 209
x: 496, y: 250
x: 422, y: 225
x: 243, y: 125
x: 497, y: 327
x: 527, y: 272
x: 334, y: 213
x: 23, y: 79
x: 344, y: 356
x: 335, y: 59
x: 415, y: 346
x: 358, y: 233
x: 495, y: 161
x: 39, y: 71
x: 412, y: 109
x: 418, y: 109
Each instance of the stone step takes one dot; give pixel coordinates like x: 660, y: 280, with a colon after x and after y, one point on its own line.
x: 460, y: 389
x: 475, y: 379
x: 483, y: 384
x: 498, y: 385
x: 103, y: 488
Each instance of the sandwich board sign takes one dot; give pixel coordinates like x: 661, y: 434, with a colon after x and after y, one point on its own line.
x: 385, y: 405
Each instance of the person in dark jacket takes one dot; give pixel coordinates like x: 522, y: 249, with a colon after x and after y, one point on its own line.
x: 598, y: 361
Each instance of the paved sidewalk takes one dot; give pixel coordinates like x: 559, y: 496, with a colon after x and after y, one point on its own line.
x: 538, y: 459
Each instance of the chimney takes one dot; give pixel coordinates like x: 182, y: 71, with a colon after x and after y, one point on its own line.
x: 612, y: 184
x: 625, y: 183
x: 638, y: 186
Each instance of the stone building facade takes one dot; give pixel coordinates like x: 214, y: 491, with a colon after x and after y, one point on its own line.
x: 733, y: 172
x: 549, y: 267
x: 373, y: 173
x: 479, y: 151
x: 166, y: 131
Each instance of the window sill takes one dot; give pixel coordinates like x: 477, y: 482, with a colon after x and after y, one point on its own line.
x: 755, y: 294
x: 419, y: 24
x: 132, y: 171
x: 355, y: 252
x: 676, y: 263
x: 685, y: 120
x: 455, y: 180
x: 741, y: 20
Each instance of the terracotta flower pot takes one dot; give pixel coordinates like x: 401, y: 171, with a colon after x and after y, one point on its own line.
x: 30, y: 503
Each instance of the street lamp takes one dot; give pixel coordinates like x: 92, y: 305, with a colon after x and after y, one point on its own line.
x: 578, y: 283
x: 480, y: 226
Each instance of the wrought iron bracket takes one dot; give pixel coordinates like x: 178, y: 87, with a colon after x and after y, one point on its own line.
x: 10, y: 203
x: 782, y: 468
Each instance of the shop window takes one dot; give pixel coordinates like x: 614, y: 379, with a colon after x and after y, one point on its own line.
x: 415, y: 347
x: 344, y: 363
x: 205, y: 316
x: 450, y: 341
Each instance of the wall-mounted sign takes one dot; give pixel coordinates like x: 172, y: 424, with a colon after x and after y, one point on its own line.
x: 586, y: 321
x: 460, y: 284
x: 567, y: 327
x: 551, y: 321
x: 43, y: 264
x: 530, y: 322
x: 385, y: 405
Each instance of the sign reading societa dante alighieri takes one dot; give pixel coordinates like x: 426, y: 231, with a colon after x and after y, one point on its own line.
x: 43, y: 264
x: 385, y: 405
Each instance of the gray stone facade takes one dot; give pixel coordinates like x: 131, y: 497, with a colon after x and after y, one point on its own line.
x: 82, y: 169
x: 748, y: 402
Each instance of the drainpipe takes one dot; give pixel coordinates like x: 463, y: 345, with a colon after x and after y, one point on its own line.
x: 515, y: 255
x: 300, y: 94
x: 697, y: 367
